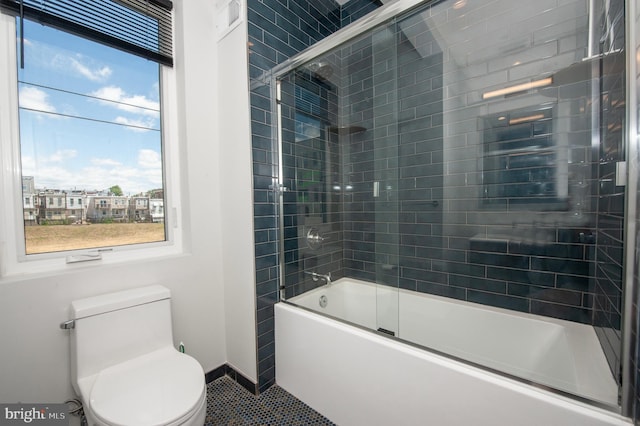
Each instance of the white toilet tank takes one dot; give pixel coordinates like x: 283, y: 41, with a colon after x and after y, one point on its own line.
x: 119, y: 326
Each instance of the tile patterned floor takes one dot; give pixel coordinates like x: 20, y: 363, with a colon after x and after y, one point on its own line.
x: 228, y: 403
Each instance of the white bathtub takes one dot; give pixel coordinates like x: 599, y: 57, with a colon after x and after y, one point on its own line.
x: 355, y: 377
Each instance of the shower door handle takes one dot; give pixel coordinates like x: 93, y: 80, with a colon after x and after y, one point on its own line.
x: 279, y: 188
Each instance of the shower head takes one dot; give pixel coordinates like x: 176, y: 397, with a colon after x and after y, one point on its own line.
x: 322, y: 70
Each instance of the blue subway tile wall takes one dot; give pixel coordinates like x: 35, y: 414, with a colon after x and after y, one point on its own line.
x: 277, y: 30
x: 356, y: 9
x: 610, y: 220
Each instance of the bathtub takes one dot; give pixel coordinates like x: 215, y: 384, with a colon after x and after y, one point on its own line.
x: 357, y: 377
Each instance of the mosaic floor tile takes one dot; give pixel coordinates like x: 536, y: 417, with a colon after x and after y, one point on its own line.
x: 228, y: 403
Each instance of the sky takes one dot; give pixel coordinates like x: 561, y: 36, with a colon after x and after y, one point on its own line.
x: 100, y: 128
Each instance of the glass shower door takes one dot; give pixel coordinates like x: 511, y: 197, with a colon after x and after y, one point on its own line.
x: 386, y: 168
x: 338, y: 146
x: 369, y: 138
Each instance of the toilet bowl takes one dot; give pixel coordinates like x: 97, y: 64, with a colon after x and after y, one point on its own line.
x: 124, y: 365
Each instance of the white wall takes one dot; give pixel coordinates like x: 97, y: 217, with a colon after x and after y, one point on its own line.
x: 236, y: 183
x: 34, y: 354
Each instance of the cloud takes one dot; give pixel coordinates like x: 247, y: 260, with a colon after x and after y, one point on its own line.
x: 96, y: 74
x: 149, y: 159
x: 61, y: 155
x: 104, y: 162
x: 31, y: 164
x: 70, y: 63
x: 118, y: 98
x: 146, y: 111
x: 35, y: 99
x: 132, y: 180
x: 64, y: 61
x: 28, y: 165
x: 143, y: 174
x: 48, y: 174
x: 52, y: 166
x: 136, y: 125
x: 56, y: 177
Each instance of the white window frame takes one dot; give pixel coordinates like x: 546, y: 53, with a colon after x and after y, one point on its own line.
x: 13, y: 260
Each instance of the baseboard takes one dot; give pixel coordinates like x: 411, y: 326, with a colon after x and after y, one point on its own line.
x: 227, y: 370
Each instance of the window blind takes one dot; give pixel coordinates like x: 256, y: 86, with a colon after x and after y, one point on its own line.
x: 141, y: 27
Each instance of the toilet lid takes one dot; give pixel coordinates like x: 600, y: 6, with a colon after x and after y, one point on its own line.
x: 154, y: 389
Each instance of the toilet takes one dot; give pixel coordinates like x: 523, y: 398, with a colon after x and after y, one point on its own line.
x: 124, y: 366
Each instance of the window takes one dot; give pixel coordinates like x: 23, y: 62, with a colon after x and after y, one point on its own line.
x: 89, y: 122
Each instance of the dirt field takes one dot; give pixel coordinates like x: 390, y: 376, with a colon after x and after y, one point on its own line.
x: 49, y: 238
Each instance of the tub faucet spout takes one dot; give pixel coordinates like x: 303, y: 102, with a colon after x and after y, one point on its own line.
x: 316, y: 276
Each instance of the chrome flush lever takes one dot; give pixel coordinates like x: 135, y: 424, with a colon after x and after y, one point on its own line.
x: 68, y: 325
